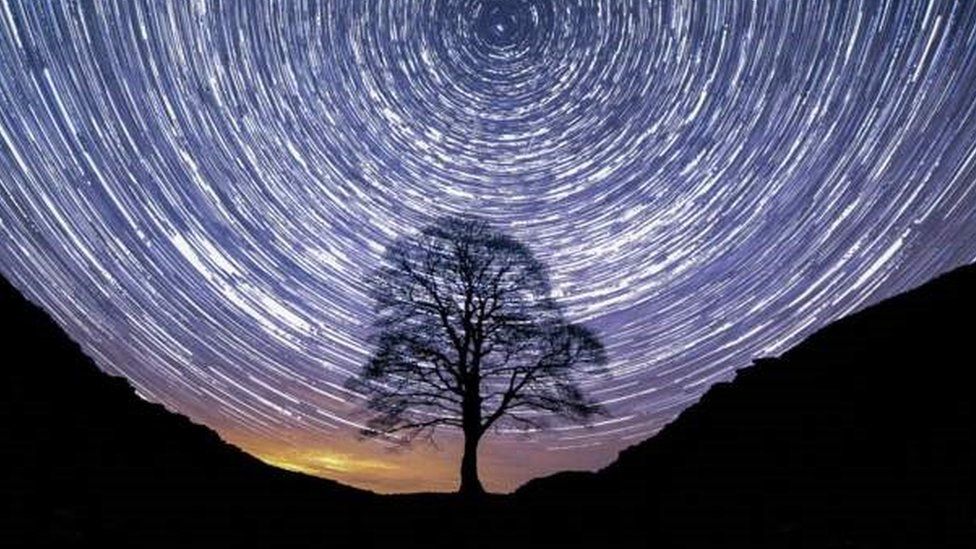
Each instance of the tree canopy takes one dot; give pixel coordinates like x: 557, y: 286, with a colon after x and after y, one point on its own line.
x: 467, y: 336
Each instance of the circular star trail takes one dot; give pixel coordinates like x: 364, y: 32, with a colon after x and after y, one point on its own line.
x: 196, y: 190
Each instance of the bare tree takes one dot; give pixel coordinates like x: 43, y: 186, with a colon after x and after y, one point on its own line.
x: 468, y: 337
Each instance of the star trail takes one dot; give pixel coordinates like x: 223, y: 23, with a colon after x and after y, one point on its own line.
x: 197, y: 190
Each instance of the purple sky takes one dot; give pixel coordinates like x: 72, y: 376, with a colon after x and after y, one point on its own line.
x: 196, y: 190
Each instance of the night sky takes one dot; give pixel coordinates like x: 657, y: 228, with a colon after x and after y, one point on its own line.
x: 197, y: 190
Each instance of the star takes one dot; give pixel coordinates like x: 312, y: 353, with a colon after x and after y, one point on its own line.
x: 197, y: 191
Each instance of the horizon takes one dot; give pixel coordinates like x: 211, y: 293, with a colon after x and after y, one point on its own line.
x: 196, y: 192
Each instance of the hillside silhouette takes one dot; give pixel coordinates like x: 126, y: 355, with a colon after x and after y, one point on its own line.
x: 86, y: 460
x: 861, y: 436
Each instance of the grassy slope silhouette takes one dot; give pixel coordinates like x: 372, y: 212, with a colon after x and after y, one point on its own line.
x: 862, y: 435
x: 87, y: 460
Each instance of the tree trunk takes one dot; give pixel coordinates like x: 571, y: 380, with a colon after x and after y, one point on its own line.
x: 471, y: 423
x: 470, y: 485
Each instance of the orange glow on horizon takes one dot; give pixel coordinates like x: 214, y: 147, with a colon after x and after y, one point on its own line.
x: 417, y: 468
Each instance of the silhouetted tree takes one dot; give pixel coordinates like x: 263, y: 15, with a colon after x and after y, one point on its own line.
x: 468, y: 337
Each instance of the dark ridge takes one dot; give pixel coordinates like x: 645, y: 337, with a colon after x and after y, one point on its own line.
x: 87, y: 460
x: 863, y: 435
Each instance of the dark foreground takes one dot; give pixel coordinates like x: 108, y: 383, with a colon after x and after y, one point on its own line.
x: 862, y: 436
